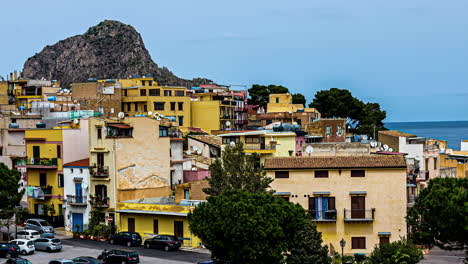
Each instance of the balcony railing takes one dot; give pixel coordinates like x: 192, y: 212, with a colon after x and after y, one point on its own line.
x: 259, y: 147
x: 99, y: 171
x: 47, y: 190
x: 240, y: 109
x: 44, y: 162
x: 323, y: 216
x: 226, y: 117
x: 77, y: 200
x: 98, y: 201
x: 241, y: 122
x: 359, y: 215
x: 175, y: 134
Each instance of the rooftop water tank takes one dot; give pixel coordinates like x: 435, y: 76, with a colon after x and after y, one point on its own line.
x: 41, y: 125
x: 149, y: 75
x: 13, y: 125
x: 296, y: 128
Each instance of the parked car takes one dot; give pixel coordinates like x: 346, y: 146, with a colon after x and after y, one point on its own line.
x: 26, y: 234
x: 48, y: 244
x: 48, y: 235
x: 166, y: 242
x: 8, y: 250
x: 61, y: 261
x: 205, y: 262
x: 40, y: 225
x: 86, y: 260
x: 120, y: 256
x: 17, y: 261
x: 26, y: 246
x: 129, y: 239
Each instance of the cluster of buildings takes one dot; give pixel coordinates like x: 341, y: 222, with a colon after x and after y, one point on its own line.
x: 136, y: 155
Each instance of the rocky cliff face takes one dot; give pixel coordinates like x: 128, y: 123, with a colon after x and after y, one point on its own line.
x: 109, y: 50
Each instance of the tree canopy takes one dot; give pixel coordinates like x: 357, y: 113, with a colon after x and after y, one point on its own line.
x: 402, y: 251
x: 237, y: 171
x: 244, y: 227
x: 10, y: 193
x: 440, y: 214
x: 362, y: 117
x: 259, y: 94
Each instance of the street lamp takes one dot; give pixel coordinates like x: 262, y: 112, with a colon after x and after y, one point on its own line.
x: 342, y: 245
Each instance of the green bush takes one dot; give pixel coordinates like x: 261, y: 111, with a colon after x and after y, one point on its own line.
x: 402, y: 251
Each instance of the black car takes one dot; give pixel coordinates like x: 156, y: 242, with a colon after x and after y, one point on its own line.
x: 86, y: 260
x: 120, y: 257
x: 18, y: 261
x: 8, y: 250
x: 165, y: 242
x: 129, y: 239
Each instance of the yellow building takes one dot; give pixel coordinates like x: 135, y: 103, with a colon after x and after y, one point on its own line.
x: 266, y: 143
x: 454, y: 164
x: 143, y: 95
x: 280, y: 103
x: 27, y: 91
x: 3, y: 93
x: 361, y: 199
x: 129, y: 158
x: 213, y: 112
x: 44, y: 169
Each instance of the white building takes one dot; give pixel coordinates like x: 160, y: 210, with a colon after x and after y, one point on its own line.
x: 76, y: 194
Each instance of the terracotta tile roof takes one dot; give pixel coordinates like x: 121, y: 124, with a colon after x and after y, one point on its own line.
x: 336, y: 162
x: 78, y: 163
x: 396, y: 133
x: 209, y: 139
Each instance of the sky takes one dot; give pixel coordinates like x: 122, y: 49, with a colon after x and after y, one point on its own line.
x: 409, y: 56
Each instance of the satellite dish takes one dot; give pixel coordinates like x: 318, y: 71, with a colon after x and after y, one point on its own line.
x: 390, y: 149
x: 76, y: 121
x: 228, y: 123
x: 385, y: 147
x: 121, y: 114
x: 188, y: 152
x: 195, y: 148
x: 32, y: 160
x: 150, y: 113
x: 199, y: 152
x: 158, y: 118
x: 373, y: 144
x: 309, y: 149
x: 364, y: 137
x: 232, y: 144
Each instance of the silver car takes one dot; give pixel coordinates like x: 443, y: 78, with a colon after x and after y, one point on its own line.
x: 48, y: 244
x: 26, y: 234
x: 40, y: 225
x: 61, y: 261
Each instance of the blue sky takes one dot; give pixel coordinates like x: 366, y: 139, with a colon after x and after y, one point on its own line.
x: 410, y: 56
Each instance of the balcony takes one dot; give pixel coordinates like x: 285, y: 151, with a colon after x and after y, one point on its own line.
x: 359, y: 215
x: 99, y: 171
x: 241, y: 122
x: 77, y: 200
x: 175, y: 134
x: 98, y: 201
x: 43, y: 163
x: 226, y: 117
x: 323, y: 216
x: 266, y: 149
x: 240, y: 109
x: 47, y: 190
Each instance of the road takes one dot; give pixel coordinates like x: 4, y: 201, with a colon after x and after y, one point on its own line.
x: 439, y: 256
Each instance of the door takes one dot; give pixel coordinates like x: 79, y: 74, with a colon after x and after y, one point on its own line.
x: 358, y: 206
x: 131, y: 224
x: 43, y: 179
x: 77, y: 219
x: 262, y: 143
x: 179, y: 229
x: 36, y: 153
x: 100, y: 160
x: 78, y: 192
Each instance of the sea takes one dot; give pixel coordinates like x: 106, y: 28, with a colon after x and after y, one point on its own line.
x: 452, y: 131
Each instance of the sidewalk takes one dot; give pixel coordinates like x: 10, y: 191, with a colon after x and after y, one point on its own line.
x: 439, y: 256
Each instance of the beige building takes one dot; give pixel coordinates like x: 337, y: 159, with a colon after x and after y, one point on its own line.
x: 129, y: 159
x: 283, y: 103
x: 361, y: 199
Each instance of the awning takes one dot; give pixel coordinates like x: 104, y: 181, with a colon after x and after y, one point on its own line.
x: 282, y: 193
x: 119, y: 125
x: 132, y: 211
x: 358, y: 193
x: 321, y: 193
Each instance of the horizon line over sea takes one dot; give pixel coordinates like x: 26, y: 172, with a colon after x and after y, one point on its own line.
x: 451, y: 131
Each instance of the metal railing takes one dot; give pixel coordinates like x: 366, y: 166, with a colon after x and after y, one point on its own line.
x: 259, y: 147
x: 47, y: 190
x: 359, y: 214
x: 241, y: 122
x: 98, y: 201
x: 99, y: 171
x: 78, y: 200
x: 36, y: 162
x: 240, y: 109
x: 323, y: 215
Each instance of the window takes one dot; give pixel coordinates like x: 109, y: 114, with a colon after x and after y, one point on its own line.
x: 167, y: 93
x: 277, y: 100
x: 281, y: 174
x: 154, y: 92
x: 155, y: 226
x: 358, y: 243
x: 252, y: 140
x: 286, y: 198
x: 131, y: 224
x: 321, y: 174
x: 435, y: 163
x: 100, y: 160
x: 81, y: 171
x: 142, y: 92
x: 384, y: 240
x: 125, y: 92
x: 322, y: 208
x: 99, y: 133
x: 178, y: 229
x: 121, y: 131
x: 142, y: 83
x: 358, y: 207
x: 358, y: 173
x: 71, y: 170
x: 60, y: 209
x: 180, y: 106
x: 43, y: 179
x: 173, y: 106
x: 59, y: 152
x: 328, y: 131
x: 228, y: 140
x: 36, y: 152
x: 158, y: 105
x: 145, y: 108
x: 340, y: 130
x: 181, y: 120
x: 186, y: 194
x: 163, y: 132
x: 426, y: 164
x: 60, y: 180
x: 179, y: 93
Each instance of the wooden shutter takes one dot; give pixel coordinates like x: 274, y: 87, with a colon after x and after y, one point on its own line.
x: 281, y: 174
x: 384, y: 240
x: 358, y: 206
x: 311, y: 203
x: 321, y: 174
x: 131, y: 224
x: 358, y: 173
x: 358, y: 243
x: 331, y: 203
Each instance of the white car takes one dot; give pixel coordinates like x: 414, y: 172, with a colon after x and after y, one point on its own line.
x: 26, y: 246
x: 26, y: 234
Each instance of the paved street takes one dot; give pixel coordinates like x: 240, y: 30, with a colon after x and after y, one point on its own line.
x: 438, y: 256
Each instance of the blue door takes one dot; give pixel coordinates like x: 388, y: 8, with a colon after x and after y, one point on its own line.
x: 78, y: 193
x: 77, y: 220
